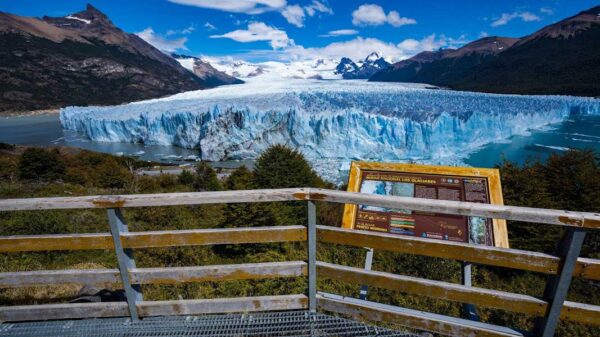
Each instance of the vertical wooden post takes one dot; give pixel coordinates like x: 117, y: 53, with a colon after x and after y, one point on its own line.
x: 557, y: 286
x: 312, y: 256
x: 126, y: 261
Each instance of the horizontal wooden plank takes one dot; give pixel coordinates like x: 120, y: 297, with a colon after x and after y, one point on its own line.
x: 222, y: 305
x: 218, y: 272
x: 30, y: 243
x: 587, y: 268
x: 62, y: 311
x: 143, y: 200
x: 581, y: 313
x: 419, y: 320
x: 52, y: 277
x: 526, y: 214
x: 502, y: 257
x: 576, y: 312
x: 213, y: 236
x: 435, y: 289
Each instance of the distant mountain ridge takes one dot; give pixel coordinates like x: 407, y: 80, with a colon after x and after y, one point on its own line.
x: 562, y: 58
x: 81, y: 59
x: 369, y: 66
x: 205, y: 71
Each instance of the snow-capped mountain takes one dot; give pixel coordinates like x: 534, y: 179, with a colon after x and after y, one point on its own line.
x: 364, y: 69
x: 272, y: 70
x: 205, y: 71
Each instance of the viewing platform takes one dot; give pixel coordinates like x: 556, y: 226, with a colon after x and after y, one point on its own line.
x: 314, y: 313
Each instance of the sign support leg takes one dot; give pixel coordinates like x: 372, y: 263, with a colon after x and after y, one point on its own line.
x: 469, y: 310
x: 364, y: 289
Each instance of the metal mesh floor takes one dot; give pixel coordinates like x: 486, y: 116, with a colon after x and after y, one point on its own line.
x: 288, y: 323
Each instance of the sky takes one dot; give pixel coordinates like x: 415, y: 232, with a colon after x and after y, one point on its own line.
x: 294, y: 30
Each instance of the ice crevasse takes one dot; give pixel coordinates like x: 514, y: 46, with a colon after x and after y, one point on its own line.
x: 327, y: 120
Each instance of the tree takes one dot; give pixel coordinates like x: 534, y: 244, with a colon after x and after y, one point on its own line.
x: 206, y: 178
x: 282, y: 167
x: 41, y: 164
x: 186, y: 178
x: 110, y: 174
x: 244, y: 214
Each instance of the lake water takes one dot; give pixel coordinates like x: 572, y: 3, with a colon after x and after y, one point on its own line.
x: 581, y: 132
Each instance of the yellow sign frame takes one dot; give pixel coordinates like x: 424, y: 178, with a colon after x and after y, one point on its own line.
x: 492, y: 175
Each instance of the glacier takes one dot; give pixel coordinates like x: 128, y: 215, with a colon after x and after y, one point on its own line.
x: 330, y: 122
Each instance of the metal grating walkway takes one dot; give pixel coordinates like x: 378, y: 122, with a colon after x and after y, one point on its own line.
x: 273, y: 324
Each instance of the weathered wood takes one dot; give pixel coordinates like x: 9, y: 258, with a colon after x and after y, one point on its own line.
x: 581, y: 313
x: 444, y: 325
x: 143, y: 200
x: 213, y: 236
x: 587, y: 268
x: 502, y: 257
x: 52, y: 277
x: 62, y: 311
x: 526, y: 214
x: 218, y: 272
x: 572, y: 311
x: 435, y: 289
x: 223, y: 305
x: 30, y: 243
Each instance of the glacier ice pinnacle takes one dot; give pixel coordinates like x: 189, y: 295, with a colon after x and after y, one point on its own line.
x: 328, y: 121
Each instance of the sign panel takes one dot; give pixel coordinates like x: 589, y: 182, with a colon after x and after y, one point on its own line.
x: 431, y: 182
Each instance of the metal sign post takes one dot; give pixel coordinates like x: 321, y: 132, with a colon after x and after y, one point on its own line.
x: 368, y: 263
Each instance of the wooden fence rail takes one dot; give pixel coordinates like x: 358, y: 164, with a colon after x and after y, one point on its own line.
x: 560, y: 267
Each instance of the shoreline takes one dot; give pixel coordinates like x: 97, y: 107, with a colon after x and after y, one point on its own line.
x: 55, y: 111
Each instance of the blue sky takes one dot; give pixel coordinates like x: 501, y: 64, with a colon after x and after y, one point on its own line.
x: 259, y: 30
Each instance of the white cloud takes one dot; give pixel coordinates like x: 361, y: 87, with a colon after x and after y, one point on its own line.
x: 294, y: 15
x: 547, y: 10
x: 394, y: 19
x: 160, y: 42
x: 374, y: 15
x: 236, y: 6
x: 317, y: 6
x: 259, y: 31
x: 358, y: 48
x: 209, y: 26
x: 507, y: 17
x: 483, y: 34
x: 184, y: 31
x: 340, y: 32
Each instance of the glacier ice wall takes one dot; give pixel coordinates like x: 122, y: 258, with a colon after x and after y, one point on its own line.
x: 331, y: 120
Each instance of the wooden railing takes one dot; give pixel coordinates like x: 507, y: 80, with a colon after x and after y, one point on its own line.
x: 560, y: 268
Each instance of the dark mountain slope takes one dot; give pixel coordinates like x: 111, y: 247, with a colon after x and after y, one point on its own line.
x: 206, y: 72
x: 559, y: 59
x: 81, y: 59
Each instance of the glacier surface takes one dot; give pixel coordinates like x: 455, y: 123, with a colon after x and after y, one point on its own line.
x: 331, y: 122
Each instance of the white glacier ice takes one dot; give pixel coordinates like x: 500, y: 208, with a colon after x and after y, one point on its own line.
x: 331, y: 122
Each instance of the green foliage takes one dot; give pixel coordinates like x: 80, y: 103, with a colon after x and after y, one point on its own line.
x: 41, y: 164
x: 206, y: 178
x: 6, y: 147
x: 282, y: 167
x: 568, y: 181
x: 186, y: 178
x: 110, y: 174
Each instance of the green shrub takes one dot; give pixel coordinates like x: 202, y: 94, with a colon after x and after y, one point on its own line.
x: 206, y: 178
x: 41, y: 164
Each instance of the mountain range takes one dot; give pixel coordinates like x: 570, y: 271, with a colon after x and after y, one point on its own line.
x: 83, y: 59
x: 562, y: 58
x: 205, y: 71
x: 372, y: 64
